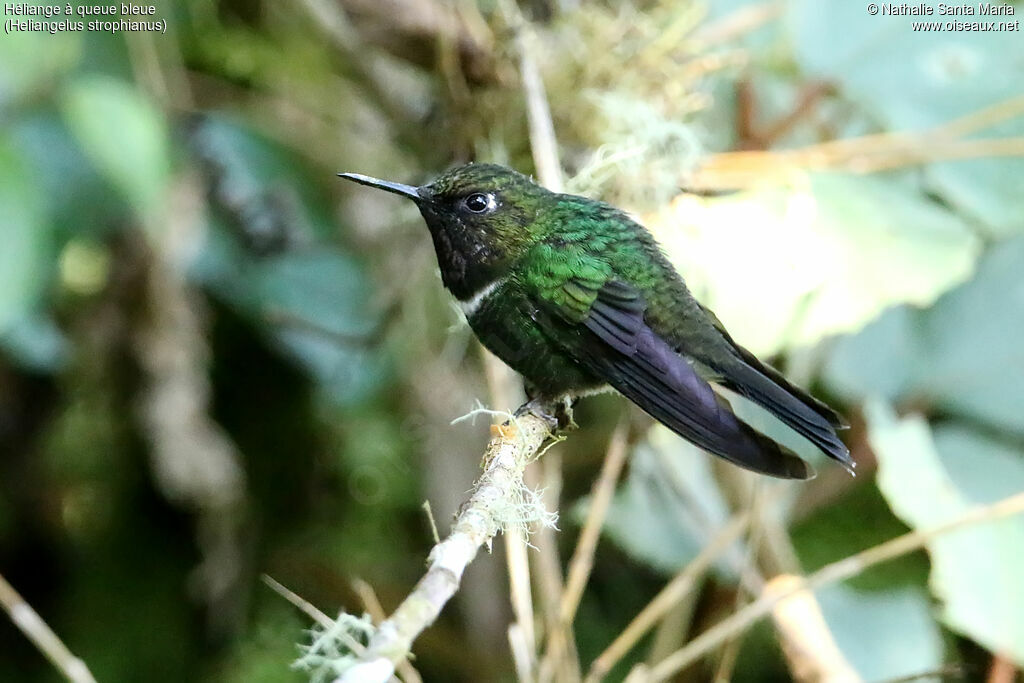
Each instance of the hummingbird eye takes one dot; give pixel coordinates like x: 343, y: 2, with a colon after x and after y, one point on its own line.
x: 478, y: 202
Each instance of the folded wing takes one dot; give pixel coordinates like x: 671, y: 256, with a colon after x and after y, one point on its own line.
x: 620, y: 347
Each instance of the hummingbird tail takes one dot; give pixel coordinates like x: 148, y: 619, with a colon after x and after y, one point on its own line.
x: 804, y: 414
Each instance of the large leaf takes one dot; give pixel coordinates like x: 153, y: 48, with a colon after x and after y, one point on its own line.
x: 312, y: 304
x: 669, y: 506
x: 80, y: 200
x: 914, y: 80
x: 312, y: 300
x: 910, y: 79
x: 786, y: 267
x: 124, y: 135
x: 884, y: 635
x: 253, y: 176
x: 986, y: 189
x: 931, y: 478
x: 960, y: 355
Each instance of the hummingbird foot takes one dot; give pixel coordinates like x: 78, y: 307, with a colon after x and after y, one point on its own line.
x: 538, y: 407
x: 558, y: 414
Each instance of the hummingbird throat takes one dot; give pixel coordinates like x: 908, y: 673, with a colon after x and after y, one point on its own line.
x: 472, y: 304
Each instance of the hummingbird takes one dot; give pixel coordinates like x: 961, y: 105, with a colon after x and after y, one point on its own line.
x: 577, y: 297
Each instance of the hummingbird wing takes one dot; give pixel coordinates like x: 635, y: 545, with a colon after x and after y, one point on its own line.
x: 607, y: 316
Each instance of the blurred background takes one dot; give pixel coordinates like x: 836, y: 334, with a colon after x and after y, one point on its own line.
x: 218, y: 361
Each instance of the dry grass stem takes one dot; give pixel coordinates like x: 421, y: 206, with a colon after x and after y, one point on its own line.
x: 564, y: 664
x: 867, y: 154
x: 810, y: 649
x: 560, y: 641
x: 522, y: 654
x: 42, y: 636
x: 543, y: 143
x: 305, y: 606
x: 600, y: 499
x: 521, y: 595
x: 829, y: 574
x: 750, y: 574
x: 369, y: 599
x: 736, y: 24
x: 673, y: 592
x: 430, y: 518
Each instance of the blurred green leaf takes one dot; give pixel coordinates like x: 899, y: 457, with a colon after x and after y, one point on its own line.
x: 312, y: 300
x: 931, y: 479
x: 263, y: 654
x: 124, y: 135
x: 25, y: 266
x: 29, y: 60
x: 956, y: 355
x: 884, y: 635
x: 882, y: 359
x: 784, y: 268
x: 259, y: 186
x: 312, y: 304
x: 81, y: 201
x: 858, y: 520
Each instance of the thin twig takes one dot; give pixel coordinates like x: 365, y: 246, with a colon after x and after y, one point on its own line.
x: 543, y: 142
x: 1003, y: 670
x: 430, y: 518
x: 749, y: 574
x: 521, y: 597
x: 560, y: 635
x: 829, y: 574
x: 674, y: 591
x: 563, y: 666
x: 942, y: 673
x: 544, y: 147
x: 600, y: 499
x: 736, y: 23
x: 308, y: 608
x: 811, y: 651
x: 522, y: 655
x: 807, y: 641
x: 369, y: 599
x: 868, y: 153
x: 42, y: 636
x: 330, y: 19
x: 513, y: 445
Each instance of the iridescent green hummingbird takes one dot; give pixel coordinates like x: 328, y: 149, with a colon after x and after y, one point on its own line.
x: 577, y: 297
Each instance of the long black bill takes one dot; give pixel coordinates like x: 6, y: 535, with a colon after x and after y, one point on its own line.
x: 396, y: 188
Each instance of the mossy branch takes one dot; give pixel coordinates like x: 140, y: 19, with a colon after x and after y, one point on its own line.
x: 496, y: 501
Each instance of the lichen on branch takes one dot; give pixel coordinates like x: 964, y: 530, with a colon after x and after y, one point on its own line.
x: 499, y: 498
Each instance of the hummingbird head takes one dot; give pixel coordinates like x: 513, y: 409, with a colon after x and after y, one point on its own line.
x: 482, y: 218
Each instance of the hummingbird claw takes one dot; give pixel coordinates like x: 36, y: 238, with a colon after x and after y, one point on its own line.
x: 557, y: 414
x: 542, y: 409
